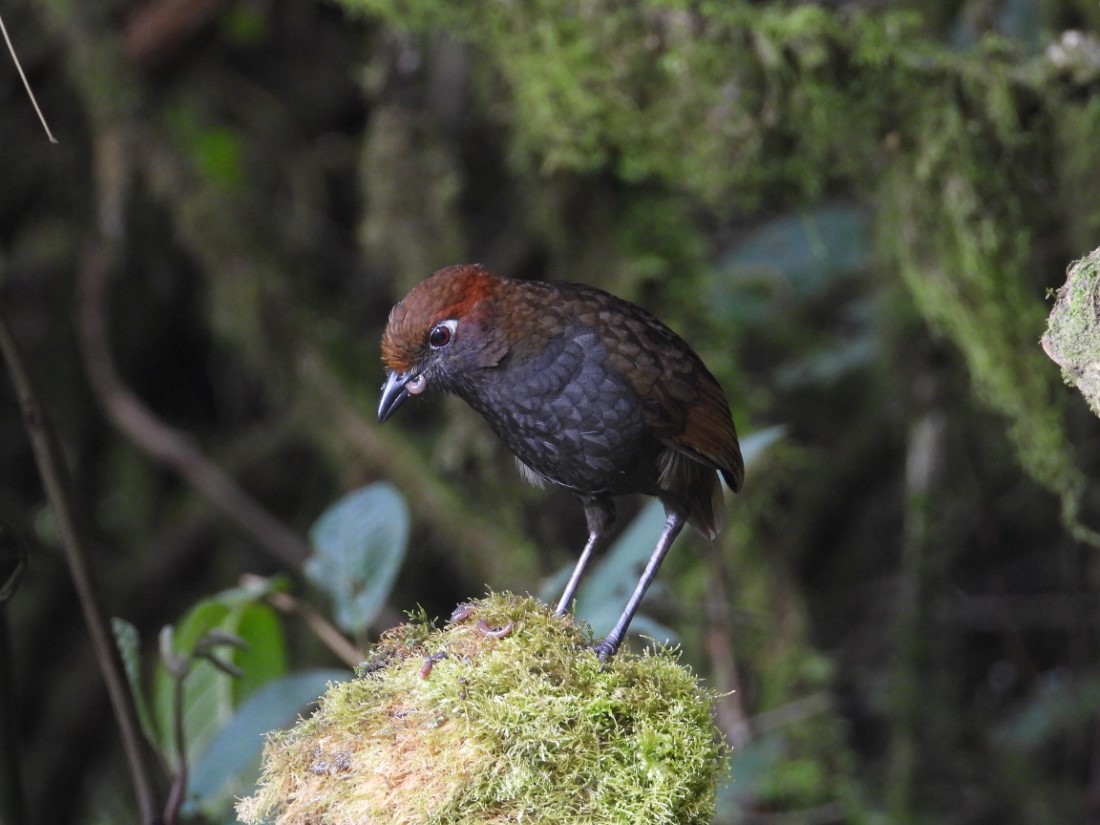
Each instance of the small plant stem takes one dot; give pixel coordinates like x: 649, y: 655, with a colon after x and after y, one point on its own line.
x: 322, y: 628
x: 55, y: 481
x: 26, y: 83
x: 179, y: 781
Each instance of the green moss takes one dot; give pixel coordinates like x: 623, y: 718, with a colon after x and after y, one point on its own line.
x: 958, y: 208
x: 1072, y: 339
x: 1079, y: 171
x: 699, y: 97
x: 529, y: 727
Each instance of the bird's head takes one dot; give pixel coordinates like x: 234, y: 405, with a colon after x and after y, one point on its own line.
x: 439, y: 333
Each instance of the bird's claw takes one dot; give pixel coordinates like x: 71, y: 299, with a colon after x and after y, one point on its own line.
x: 605, y: 650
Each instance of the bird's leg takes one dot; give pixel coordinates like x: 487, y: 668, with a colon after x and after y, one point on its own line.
x: 599, y: 512
x: 674, y: 523
x: 578, y: 571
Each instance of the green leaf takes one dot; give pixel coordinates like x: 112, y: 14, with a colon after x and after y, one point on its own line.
x: 210, y: 693
x: 129, y: 647
x: 265, y: 657
x: 800, y: 253
x: 752, y: 766
x: 1060, y: 704
x: 230, y: 763
x: 359, y: 544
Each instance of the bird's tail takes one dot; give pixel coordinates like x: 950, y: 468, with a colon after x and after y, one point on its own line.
x: 694, y: 489
x: 705, y: 511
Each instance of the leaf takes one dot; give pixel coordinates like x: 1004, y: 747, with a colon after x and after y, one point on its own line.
x: 129, y: 647
x: 801, y: 253
x: 752, y: 766
x: 265, y: 657
x: 358, y: 546
x: 229, y: 765
x: 206, y: 693
x: 211, y: 694
x: 807, y: 247
x: 1061, y: 704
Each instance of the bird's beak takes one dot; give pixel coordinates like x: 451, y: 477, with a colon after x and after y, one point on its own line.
x: 394, y: 393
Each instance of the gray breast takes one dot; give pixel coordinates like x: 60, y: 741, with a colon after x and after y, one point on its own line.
x: 570, y: 417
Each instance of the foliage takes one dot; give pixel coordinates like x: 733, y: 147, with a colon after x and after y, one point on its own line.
x: 222, y: 680
x: 226, y: 656
x: 621, y: 85
x: 358, y: 545
x: 957, y: 217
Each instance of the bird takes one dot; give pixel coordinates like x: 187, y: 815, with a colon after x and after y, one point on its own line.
x: 590, y: 392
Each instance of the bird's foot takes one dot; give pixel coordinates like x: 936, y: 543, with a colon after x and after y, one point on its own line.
x: 606, y: 649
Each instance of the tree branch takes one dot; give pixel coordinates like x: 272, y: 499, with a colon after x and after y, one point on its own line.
x: 162, y: 442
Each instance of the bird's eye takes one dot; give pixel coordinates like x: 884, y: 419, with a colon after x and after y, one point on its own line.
x: 441, y: 334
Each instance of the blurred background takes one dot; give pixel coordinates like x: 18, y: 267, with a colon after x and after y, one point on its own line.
x: 854, y: 211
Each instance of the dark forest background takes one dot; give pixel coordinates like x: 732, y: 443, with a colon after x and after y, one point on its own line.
x: 854, y: 211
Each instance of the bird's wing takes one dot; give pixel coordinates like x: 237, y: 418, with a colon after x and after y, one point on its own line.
x: 684, y: 405
x: 702, y: 427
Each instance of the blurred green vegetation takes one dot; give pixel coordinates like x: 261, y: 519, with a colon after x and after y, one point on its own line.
x: 854, y: 211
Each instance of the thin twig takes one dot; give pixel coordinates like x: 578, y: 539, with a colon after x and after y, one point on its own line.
x: 13, y: 563
x: 12, y: 805
x: 730, y: 709
x: 26, y: 83
x: 324, y: 630
x: 178, y: 791
x: 55, y: 480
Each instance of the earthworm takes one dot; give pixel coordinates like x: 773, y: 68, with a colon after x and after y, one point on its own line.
x: 429, y: 663
x: 498, y: 633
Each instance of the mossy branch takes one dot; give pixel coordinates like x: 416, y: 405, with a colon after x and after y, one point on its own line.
x: 1072, y: 339
x: 505, y: 715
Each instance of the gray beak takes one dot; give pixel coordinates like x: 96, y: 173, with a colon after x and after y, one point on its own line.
x: 394, y: 394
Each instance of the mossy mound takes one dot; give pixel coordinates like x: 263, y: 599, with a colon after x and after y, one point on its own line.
x: 518, y: 722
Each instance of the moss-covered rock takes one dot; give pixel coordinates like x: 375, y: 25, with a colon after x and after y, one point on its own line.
x: 505, y: 715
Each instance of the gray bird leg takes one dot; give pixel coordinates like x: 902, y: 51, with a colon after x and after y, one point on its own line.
x: 578, y: 571
x: 674, y: 523
x: 599, y: 512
